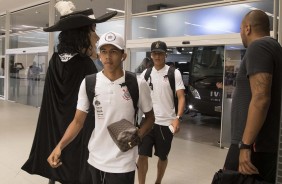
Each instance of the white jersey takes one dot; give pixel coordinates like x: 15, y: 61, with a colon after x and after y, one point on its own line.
x: 162, y: 97
x: 112, y: 103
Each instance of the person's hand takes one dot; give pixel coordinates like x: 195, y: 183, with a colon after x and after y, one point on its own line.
x: 245, y: 164
x: 176, y: 125
x: 219, y: 85
x: 54, y: 158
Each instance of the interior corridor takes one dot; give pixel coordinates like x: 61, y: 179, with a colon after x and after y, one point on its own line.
x: 190, y: 161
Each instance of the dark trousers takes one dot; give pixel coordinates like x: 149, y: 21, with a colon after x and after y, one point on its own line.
x: 100, y: 177
x: 266, y: 163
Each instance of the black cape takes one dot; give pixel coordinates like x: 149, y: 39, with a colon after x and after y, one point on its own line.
x: 57, y: 110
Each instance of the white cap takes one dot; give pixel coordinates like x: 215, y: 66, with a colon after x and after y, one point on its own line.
x: 111, y: 38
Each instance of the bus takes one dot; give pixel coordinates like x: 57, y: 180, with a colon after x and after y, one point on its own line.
x: 206, y: 70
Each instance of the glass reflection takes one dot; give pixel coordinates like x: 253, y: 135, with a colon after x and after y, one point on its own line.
x: 27, y: 77
x: 26, y: 27
x: 152, y: 5
x: 204, y: 21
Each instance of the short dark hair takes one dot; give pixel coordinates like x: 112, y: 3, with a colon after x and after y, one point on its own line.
x: 259, y: 20
x: 75, y: 40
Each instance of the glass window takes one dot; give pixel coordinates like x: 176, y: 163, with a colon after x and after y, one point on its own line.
x: 152, y: 5
x: 2, y: 25
x: 2, y: 69
x: 2, y: 36
x: 114, y: 25
x: 27, y: 77
x: 27, y: 31
x: 100, y: 7
x: 204, y: 21
x: 137, y: 58
x: 36, y: 38
x: 2, y: 45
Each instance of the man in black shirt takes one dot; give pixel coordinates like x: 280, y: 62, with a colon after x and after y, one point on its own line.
x: 256, y: 102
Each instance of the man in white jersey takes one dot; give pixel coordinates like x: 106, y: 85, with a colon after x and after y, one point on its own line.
x: 166, y: 120
x: 112, y: 102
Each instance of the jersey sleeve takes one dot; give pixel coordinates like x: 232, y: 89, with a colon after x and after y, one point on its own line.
x: 82, y: 101
x: 145, y: 101
x: 178, y: 80
x: 259, y: 58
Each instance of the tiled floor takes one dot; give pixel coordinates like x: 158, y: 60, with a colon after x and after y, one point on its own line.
x: 193, y: 159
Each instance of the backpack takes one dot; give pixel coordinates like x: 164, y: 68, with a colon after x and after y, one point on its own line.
x: 171, y: 79
x: 130, y: 82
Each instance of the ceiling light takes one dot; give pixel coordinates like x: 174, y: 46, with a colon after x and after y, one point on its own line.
x: 28, y: 37
x: 148, y: 28
x: 28, y: 26
x: 269, y: 14
x: 208, y: 27
x: 113, y: 9
x: 245, y: 5
x: 253, y: 8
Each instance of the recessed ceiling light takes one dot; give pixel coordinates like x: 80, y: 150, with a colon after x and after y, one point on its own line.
x: 113, y: 9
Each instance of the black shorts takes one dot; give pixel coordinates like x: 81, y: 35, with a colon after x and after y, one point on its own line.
x: 160, y: 137
x: 100, y: 177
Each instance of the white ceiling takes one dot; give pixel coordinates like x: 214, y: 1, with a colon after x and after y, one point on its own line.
x: 13, y: 5
x: 38, y: 16
x: 17, y: 4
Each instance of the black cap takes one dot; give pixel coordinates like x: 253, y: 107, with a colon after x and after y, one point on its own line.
x: 158, y: 46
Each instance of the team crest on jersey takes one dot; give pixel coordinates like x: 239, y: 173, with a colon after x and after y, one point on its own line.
x: 97, y: 103
x: 126, y: 94
x: 99, y: 109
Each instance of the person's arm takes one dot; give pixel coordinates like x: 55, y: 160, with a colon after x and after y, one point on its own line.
x: 219, y: 85
x: 261, y: 94
x: 148, y: 124
x: 72, y: 131
x: 181, y: 106
x: 179, y: 87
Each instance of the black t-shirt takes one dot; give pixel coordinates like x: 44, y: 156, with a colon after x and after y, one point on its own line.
x: 262, y: 55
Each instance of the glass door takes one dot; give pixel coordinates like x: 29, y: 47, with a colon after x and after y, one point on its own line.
x: 26, y: 75
x: 2, y: 77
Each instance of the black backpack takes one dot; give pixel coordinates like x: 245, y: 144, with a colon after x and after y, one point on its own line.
x: 130, y: 82
x: 171, y: 79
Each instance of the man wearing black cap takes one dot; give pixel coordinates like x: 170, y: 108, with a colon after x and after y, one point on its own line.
x: 166, y: 119
x: 67, y: 68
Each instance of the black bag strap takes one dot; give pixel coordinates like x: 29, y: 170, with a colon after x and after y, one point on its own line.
x: 171, y: 78
x: 90, y: 82
x: 132, y: 86
x: 148, y: 73
x: 130, y: 82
